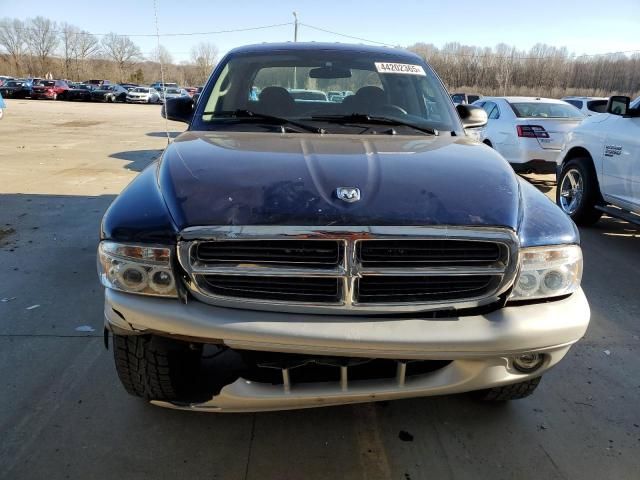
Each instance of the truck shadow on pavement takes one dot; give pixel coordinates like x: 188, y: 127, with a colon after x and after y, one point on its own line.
x: 139, y: 159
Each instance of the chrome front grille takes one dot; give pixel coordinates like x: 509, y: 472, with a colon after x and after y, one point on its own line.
x: 348, y: 270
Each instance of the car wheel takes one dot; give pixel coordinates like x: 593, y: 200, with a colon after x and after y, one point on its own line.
x: 155, y: 368
x: 577, y: 192
x: 514, y: 391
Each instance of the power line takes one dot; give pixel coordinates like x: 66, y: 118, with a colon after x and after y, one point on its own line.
x: 175, y: 34
x: 470, y: 55
x: 346, y: 36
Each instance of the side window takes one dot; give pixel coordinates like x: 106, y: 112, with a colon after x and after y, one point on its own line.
x: 492, y: 110
x: 575, y: 103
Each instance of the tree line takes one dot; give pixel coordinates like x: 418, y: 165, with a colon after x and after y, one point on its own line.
x: 543, y: 70
x: 40, y: 47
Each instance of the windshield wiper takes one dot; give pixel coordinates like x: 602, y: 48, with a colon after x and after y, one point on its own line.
x: 372, y: 119
x: 248, y: 115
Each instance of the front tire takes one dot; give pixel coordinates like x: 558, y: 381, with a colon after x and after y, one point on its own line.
x: 155, y: 368
x: 577, y: 192
x: 515, y: 391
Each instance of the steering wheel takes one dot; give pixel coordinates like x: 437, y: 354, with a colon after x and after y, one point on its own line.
x: 390, y: 109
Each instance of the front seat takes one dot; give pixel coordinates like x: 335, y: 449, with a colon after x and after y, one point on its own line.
x: 367, y: 99
x: 275, y: 101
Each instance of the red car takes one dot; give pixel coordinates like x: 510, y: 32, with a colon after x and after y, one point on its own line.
x: 191, y: 90
x: 51, y: 89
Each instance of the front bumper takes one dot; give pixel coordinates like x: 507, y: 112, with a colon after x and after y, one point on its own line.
x: 480, y: 347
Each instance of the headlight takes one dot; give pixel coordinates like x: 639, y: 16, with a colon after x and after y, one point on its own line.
x: 136, y: 269
x: 548, y: 272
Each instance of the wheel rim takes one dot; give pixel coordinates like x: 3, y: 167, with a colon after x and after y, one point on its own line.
x: 571, y: 191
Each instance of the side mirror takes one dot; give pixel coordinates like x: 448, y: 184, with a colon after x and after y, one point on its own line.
x: 618, y: 105
x: 178, y: 109
x: 472, y: 116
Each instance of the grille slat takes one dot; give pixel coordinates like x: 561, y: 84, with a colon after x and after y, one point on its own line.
x: 268, y: 288
x: 416, y: 289
x: 420, y: 253
x: 282, y: 252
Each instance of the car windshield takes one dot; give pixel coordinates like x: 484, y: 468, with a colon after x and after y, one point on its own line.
x: 457, y: 97
x: 294, y: 85
x: 15, y: 84
x: 140, y: 90
x: 173, y: 90
x: 48, y: 83
x: 545, y: 110
x: 636, y: 103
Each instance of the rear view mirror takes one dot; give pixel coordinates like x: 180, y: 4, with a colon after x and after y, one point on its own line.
x: 179, y: 109
x: 472, y: 116
x: 329, y: 72
x: 618, y: 105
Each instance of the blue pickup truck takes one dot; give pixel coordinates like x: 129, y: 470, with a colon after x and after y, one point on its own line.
x: 288, y: 254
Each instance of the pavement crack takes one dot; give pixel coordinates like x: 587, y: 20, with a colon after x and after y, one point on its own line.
x: 253, y: 433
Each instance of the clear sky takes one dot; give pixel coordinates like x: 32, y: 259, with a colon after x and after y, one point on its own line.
x: 587, y: 26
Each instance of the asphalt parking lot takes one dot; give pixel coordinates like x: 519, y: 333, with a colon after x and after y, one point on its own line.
x: 63, y: 413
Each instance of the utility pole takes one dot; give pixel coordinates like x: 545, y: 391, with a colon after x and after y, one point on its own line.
x: 295, y: 39
x: 295, y: 27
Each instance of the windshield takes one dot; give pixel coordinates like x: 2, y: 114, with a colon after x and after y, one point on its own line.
x: 545, y: 110
x: 296, y: 85
x: 47, y: 83
x: 15, y: 84
x: 173, y: 91
x: 140, y: 90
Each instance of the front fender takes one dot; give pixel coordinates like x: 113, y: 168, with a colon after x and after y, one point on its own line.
x: 139, y: 213
x: 542, y: 222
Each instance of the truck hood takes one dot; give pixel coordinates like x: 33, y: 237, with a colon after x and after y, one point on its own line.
x: 247, y: 178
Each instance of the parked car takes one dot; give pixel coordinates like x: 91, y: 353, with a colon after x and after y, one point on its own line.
x: 143, y: 95
x: 465, y: 98
x: 172, y: 93
x: 4, y: 79
x: 528, y: 132
x: 19, y: 88
x: 109, y: 93
x: 599, y: 167
x: 288, y: 255
x: 191, y: 91
x: 96, y: 83
x: 159, y: 86
x: 78, y: 92
x: 49, y: 89
x: 2, y: 107
x: 308, y: 95
x: 588, y: 105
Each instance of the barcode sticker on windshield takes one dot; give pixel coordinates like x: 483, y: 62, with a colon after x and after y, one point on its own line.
x: 403, y: 68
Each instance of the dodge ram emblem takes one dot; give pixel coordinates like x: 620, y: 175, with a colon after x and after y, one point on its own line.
x: 348, y: 194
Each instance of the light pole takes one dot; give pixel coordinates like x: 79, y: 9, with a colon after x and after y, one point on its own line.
x: 295, y: 39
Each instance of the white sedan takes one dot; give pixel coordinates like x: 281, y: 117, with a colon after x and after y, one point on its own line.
x: 143, y: 95
x: 528, y: 132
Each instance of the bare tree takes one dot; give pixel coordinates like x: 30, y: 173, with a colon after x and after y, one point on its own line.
x: 42, y: 40
x: 204, y: 56
x: 86, y: 47
x: 12, y: 39
x: 69, y: 39
x: 122, y: 51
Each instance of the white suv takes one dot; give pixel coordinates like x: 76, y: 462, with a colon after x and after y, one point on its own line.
x: 588, y: 105
x: 599, y: 167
